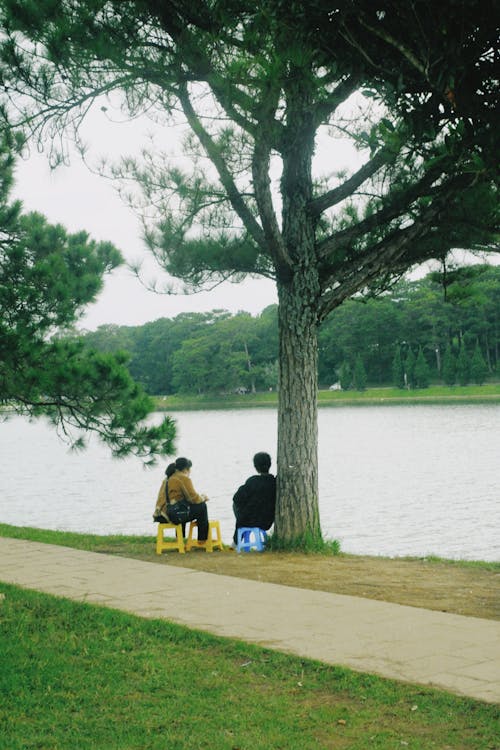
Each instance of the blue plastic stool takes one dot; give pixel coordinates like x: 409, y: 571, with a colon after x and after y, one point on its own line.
x: 250, y: 537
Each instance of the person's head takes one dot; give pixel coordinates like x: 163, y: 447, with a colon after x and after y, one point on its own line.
x: 181, y: 464
x: 262, y: 462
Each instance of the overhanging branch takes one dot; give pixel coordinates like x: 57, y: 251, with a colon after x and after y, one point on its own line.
x: 392, y: 255
x: 234, y: 195
x: 327, y: 107
x: 340, y: 193
x: 395, y: 207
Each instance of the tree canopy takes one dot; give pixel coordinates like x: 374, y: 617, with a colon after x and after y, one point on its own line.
x: 256, y: 84
x: 47, y: 276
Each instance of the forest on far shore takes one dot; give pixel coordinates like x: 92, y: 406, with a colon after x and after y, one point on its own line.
x: 444, y: 328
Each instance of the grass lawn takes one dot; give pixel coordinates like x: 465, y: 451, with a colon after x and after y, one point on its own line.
x: 437, y: 394
x: 79, y: 676
x: 144, y: 546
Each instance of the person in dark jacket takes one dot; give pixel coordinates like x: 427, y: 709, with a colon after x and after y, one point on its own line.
x: 254, y: 502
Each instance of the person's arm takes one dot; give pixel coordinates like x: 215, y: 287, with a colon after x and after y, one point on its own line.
x: 190, y: 493
x: 241, y: 495
x: 269, y: 507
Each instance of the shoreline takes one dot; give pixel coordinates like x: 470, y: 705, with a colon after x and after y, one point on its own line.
x: 115, y: 542
x: 435, y: 395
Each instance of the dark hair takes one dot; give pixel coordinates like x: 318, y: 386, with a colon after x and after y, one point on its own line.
x: 179, y: 465
x: 262, y: 462
x: 170, y: 470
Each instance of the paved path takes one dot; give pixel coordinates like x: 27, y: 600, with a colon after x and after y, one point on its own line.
x: 455, y: 653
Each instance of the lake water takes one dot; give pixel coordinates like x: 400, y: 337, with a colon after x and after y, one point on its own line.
x: 409, y: 480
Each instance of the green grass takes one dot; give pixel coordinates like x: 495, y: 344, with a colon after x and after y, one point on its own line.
x: 112, y: 544
x: 305, y: 545
x: 435, y: 394
x: 78, y: 676
x: 144, y: 546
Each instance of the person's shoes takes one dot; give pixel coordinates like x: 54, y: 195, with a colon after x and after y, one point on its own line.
x: 196, y: 544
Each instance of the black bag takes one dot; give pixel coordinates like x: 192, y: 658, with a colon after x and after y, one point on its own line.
x: 179, y: 512
x: 160, y: 518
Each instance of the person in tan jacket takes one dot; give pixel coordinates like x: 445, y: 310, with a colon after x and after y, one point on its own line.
x: 178, y: 501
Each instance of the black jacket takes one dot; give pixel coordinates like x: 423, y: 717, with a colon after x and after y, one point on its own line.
x: 254, y: 502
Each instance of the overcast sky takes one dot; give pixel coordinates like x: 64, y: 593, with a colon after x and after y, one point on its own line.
x: 78, y: 199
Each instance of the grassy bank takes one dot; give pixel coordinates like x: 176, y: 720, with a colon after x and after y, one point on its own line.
x: 143, y: 546
x: 76, y: 675
x: 437, y: 394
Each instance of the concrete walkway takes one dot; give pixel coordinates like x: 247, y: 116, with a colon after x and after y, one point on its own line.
x: 455, y: 653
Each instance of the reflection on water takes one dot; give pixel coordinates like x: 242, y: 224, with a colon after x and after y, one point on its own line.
x: 410, y: 480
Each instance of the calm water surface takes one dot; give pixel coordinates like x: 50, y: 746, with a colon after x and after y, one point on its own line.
x: 409, y: 480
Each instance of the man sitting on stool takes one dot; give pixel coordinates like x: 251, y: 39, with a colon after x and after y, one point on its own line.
x: 254, y: 502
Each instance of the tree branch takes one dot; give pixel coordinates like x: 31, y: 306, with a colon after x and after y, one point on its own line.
x: 261, y: 183
x: 235, y: 198
x: 393, y: 255
x: 328, y: 106
x: 396, y: 206
x: 386, y: 256
x: 405, y: 52
x: 340, y: 193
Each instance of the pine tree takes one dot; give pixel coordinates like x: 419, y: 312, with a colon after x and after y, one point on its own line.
x: 449, y: 369
x: 463, y: 366
x: 478, y: 367
x: 422, y: 372
x: 345, y: 376
x: 410, y: 369
x: 47, y: 276
x: 359, y: 375
x: 398, y: 373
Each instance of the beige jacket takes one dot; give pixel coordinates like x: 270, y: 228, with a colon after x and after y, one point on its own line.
x: 180, y: 487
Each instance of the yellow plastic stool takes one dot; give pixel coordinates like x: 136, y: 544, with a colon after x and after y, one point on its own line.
x: 161, y: 544
x: 213, y: 542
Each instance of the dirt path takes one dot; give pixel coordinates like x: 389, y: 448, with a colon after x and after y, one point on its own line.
x: 433, y: 585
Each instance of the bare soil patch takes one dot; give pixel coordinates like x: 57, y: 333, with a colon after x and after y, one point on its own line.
x: 436, y: 585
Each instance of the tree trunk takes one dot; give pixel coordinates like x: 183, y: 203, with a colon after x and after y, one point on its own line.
x: 250, y: 369
x: 297, y: 512
x: 488, y: 357
x: 438, y: 359
x: 299, y: 292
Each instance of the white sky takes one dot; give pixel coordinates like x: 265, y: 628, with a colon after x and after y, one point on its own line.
x: 79, y: 199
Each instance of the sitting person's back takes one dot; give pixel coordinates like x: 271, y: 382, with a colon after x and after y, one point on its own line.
x: 178, y: 501
x: 254, y: 502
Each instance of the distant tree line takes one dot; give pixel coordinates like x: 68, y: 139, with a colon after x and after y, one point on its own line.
x: 443, y: 328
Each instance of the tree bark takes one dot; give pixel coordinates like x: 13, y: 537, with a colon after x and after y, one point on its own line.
x: 297, y: 512
x: 299, y: 293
